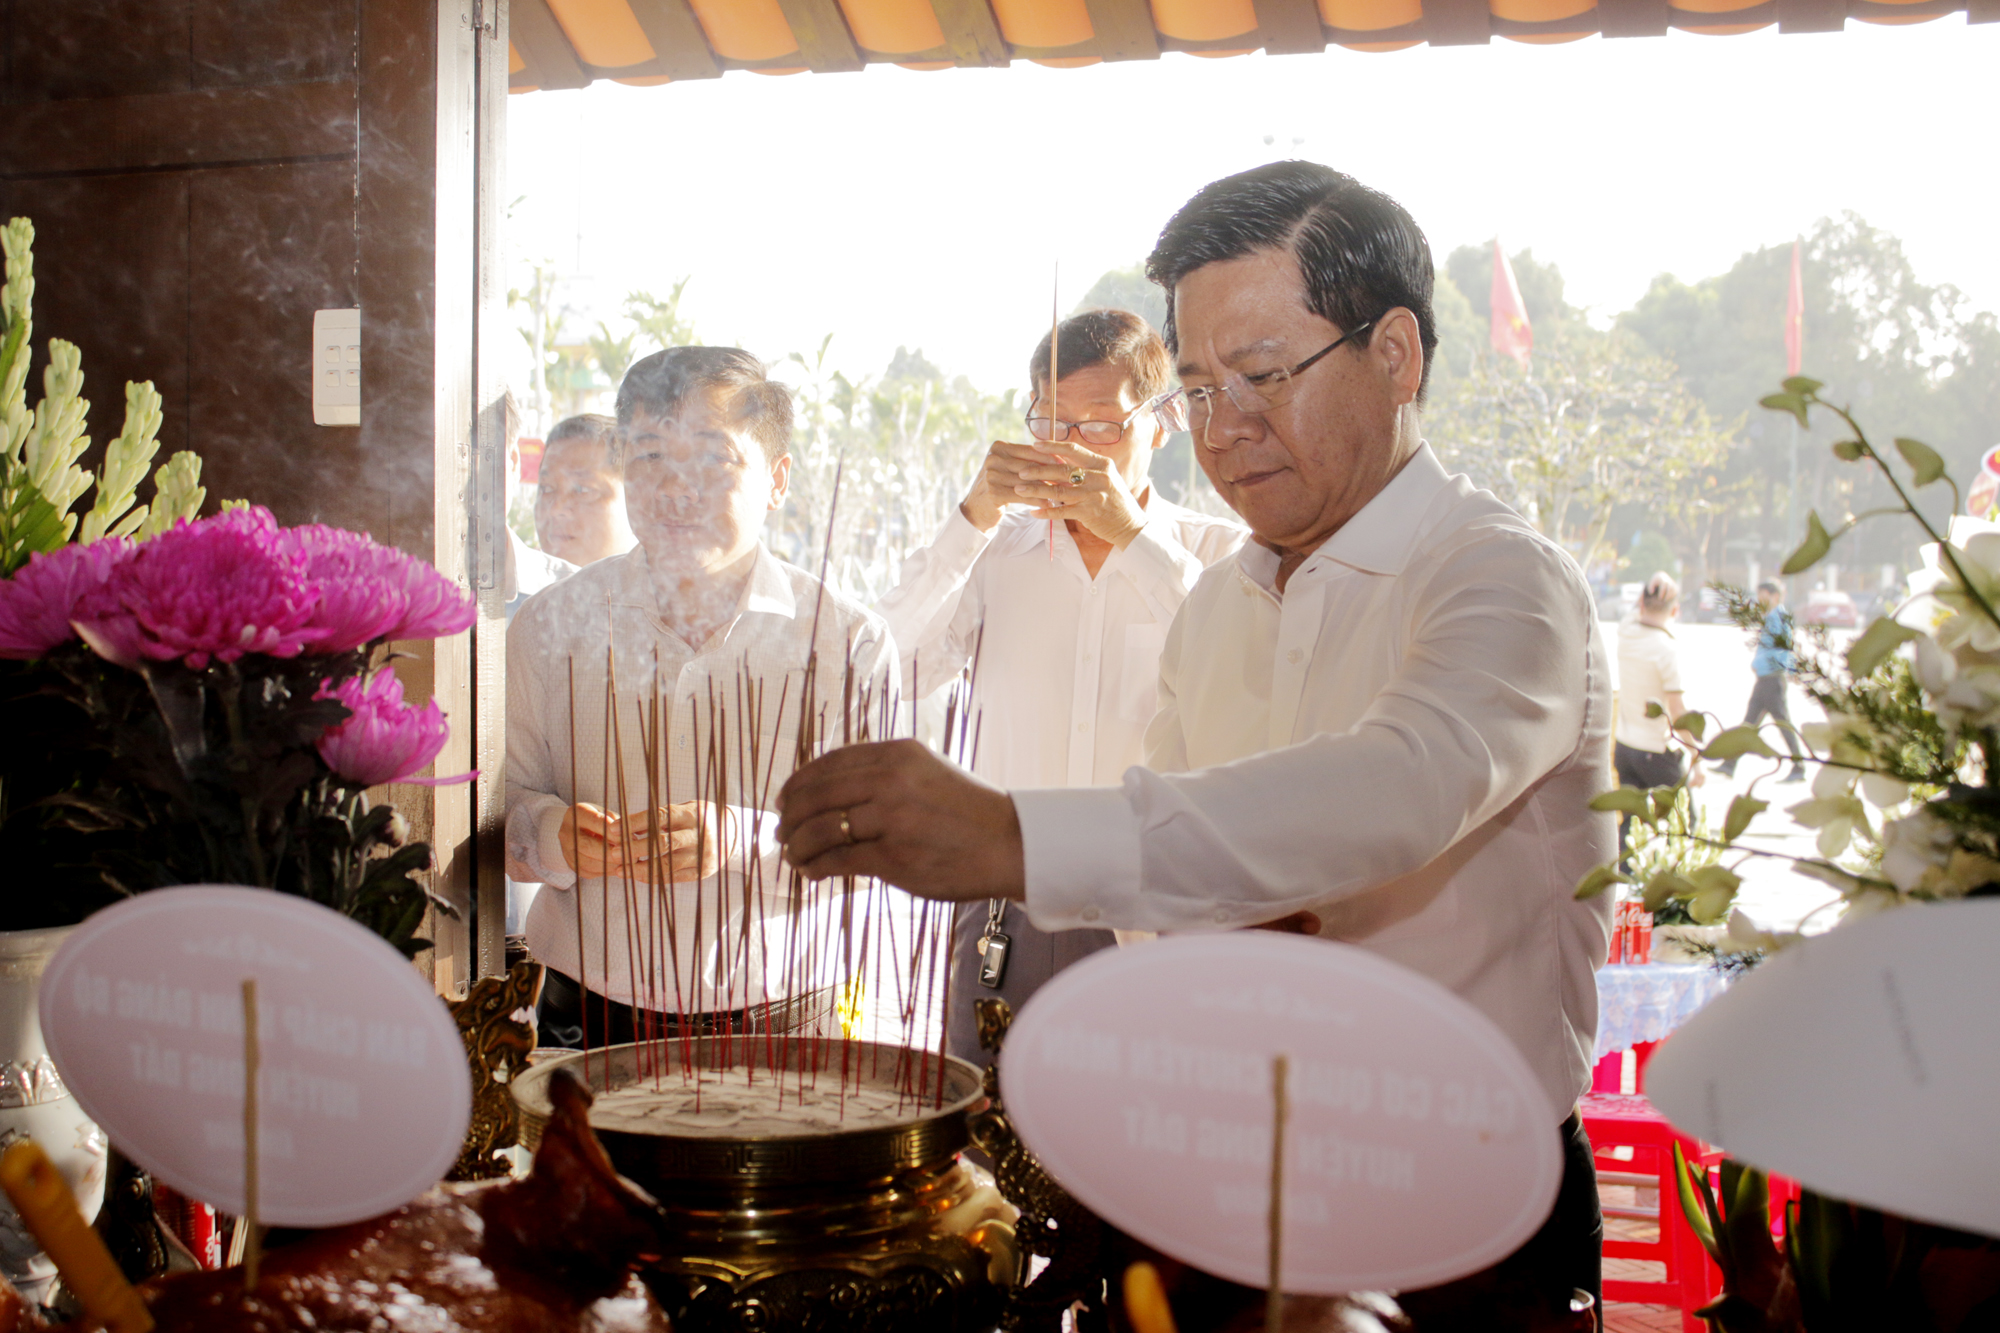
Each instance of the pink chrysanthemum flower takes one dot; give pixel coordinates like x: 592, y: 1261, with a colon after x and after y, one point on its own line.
x: 38, y: 603
x: 369, y: 591
x: 386, y: 740
x: 363, y: 586
x: 438, y: 607
x: 214, y: 589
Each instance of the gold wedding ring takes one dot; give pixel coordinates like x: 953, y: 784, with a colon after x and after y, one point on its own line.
x: 1076, y: 476
x: 846, y: 829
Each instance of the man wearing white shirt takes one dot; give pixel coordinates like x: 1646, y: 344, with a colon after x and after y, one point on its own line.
x: 697, y: 618
x: 1068, y: 623
x: 1383, y: 719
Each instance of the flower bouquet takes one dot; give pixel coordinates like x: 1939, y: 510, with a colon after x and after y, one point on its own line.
x: 1905, y: 809
x: 185, y: 699
x: 210, y: 705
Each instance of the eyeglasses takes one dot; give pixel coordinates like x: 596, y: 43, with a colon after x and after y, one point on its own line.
x: 1167, y: 407
x: 1252, y: 394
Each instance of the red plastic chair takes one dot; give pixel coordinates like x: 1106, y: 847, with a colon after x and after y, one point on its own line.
x: 1616, y: 1120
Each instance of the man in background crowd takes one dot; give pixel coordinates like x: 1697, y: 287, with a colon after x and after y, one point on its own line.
x: 528, y: 569
x: 580, y: 495
x: 1772, y: 666
x: 1649, y: 672
x: 699, y: 611
x: 1069, y: 638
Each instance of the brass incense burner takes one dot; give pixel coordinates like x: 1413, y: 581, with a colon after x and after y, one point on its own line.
x: 878, y: 1227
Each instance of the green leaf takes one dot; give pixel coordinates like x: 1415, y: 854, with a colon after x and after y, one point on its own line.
x: 1812, y: 550
x: 1741, y: 811
x: 1849, y: 451
x: 1737, y: 742
x: 1624, y: 800
x: 1664, y: 887
x: 1663, y: 801
x: 1786, y: 402
x: 1598, y: 880
x: 1716, y: 877
x: 1694, y: 724
x: 1653, y: 708
x: 1923, y: 460
x: 1803, y: 385
x: 1875, y: 645
x: 1700, y: 1212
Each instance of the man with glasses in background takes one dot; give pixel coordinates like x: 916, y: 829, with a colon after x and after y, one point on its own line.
x: 1060, y: 572
x: 1383, y: 720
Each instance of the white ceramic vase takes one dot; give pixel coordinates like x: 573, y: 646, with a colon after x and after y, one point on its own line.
x: 34, y: 1104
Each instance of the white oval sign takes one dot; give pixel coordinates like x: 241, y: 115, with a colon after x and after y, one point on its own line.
x: 363, y: 1091
x: 1419, y: 1146
x: 1861, y: 1063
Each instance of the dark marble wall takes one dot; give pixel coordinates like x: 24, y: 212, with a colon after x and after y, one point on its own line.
x: 193, y: 168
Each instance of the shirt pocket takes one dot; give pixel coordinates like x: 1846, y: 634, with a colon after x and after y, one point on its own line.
x: 1139, y: 682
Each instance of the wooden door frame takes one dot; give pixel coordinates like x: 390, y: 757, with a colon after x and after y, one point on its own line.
x: 428, y: 217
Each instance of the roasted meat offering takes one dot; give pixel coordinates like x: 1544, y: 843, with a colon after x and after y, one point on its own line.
x: 553, y: 1253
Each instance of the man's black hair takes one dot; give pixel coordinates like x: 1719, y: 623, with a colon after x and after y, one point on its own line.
x: 1106, y: 338
x: 1360, y: 253
x: 660, y: 384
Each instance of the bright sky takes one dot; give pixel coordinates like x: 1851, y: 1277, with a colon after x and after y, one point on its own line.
x: 891, y: 207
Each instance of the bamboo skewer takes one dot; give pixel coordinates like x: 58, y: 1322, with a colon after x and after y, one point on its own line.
x: 253, y: 1250
x: 1274, y: 1295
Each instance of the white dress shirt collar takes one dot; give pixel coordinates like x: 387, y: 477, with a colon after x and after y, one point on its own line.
x: 768, y: 590
x: 1377, y: 540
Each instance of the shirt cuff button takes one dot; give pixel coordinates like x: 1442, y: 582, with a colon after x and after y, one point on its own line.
x: 1091, y: 914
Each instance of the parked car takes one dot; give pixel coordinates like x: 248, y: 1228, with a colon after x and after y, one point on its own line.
x: 1835, y: 610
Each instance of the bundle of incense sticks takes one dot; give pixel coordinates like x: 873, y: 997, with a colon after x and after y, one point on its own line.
x: 753, y: 945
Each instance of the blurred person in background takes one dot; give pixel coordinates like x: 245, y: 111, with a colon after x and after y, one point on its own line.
x: 1068, y: 643
x: 528, y: 570
x: 1772, y: 665
x: 580, y: 497
x: 1647, y: 751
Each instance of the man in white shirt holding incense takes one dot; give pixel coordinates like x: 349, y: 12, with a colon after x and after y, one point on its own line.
x: 1067, y: 633
x: 1384, y: 718
x: 635, y: 799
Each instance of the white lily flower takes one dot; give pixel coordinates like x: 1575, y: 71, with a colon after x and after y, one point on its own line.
x: 1832, y: 783
x: 1883, y: 791
x: 1977, y: 551
x: 1916, y: 849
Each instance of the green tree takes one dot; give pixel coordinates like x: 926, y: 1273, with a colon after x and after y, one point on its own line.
x: 904, y: 446
x: 659, y: 320
x: 1878, y: 337
x: 1127, y: 289
x: 1595, y: 423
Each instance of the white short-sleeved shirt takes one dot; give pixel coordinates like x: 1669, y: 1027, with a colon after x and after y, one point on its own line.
x: 1649, y: 670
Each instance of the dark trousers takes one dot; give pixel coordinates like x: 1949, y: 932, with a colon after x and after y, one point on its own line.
x: 1767, y: 699
x: 1033, y: 956
x: 1643, y: 768
x: 1566, y: 1255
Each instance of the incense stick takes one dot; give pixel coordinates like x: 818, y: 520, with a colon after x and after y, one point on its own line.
x: 1055, y: 330
x: 1274, y: 1295
x: 253, y: 1251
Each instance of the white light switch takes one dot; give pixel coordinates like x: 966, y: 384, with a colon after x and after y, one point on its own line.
x: 336, y: 367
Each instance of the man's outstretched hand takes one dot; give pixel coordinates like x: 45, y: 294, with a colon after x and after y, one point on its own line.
x: 915, y: 820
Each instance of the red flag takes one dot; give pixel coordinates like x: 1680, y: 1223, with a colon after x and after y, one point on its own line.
x: 1510, y: 332
x: 1795, y: 318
